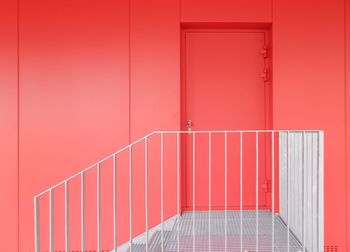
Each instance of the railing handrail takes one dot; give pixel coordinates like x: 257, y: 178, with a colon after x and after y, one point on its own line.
x: 166, y: 132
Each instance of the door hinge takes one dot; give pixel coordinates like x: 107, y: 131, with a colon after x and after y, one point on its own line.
x: 264, y: 75
x: 264, y: 51
x: 265, y: 186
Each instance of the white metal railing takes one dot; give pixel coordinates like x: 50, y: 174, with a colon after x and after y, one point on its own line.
x: 296, y: 153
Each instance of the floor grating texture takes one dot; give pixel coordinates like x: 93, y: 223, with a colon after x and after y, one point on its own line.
x: 225, y: 237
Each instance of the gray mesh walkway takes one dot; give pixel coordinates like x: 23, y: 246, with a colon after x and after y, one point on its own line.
x: 250, y: 233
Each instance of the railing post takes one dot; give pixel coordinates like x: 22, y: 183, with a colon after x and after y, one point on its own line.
x: 241, y: 189
x: 146, y: 190
x: 178, y: 187
x: 273, y: 188
x: 162, y: 187
x: 115, y: 243
x: 66, y: 213
x: 304, y: 190
x: 320, y: 182
x: 36, y: 224
x: 98, y: 208
x: 82, y: 210
x: 51, y: 222
x: 288, y: 189
x: 257, y: 191
x: 209, y: 190
x: 130, y: 199
x: 193, y: 190
x: 225, y: 185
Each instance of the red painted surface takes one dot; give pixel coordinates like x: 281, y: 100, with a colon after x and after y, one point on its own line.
x: 8, y: 126
x: 226, y: 11
x: 74, y: 89
x: 308, y: 91
x: 223, y: 89
x: 347, y: 97
x: 73, y: 100
x: 154, y: 97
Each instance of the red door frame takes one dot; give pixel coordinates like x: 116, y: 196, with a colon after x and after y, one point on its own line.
x: 228, y: 27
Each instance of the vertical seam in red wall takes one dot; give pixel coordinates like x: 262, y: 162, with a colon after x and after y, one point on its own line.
x: 272, y: 66
x: 18, y: 121
x: 129, y: 2
x: 180, y: 68
x: 346, y: 119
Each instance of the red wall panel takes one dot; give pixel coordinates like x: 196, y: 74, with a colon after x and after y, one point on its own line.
x: 8, y: 126
x: 308, y: 76
x: 155, y: 67
x: 154, y: 96
x: 73, y: 92
x: 245, y: 11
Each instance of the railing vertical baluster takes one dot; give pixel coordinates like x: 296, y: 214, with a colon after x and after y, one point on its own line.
x: 36, y: 224
x: 304, y: 191
x: 320, y: 182
x: 66, y: 214
x: 115, y: 244
x: 162, y: 186
x: 193, y: 190
x: 273, y: 188
x: 82, y: 210
x: 225, y: 184
x: 178, y: 187
x: 209, y: 190
x: 241, y: 189
x: 98, y: 208
x: 312, y: 194
x: 130, y: 199
x: 146, y: 190
x: 257, y: 191
x: 288, y: 188
x: 51, y: 216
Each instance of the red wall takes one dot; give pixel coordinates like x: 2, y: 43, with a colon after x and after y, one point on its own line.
x: 309, y: 92
x: 8, y: 126
x: 74, y: 93
x: 95, y: 74
x: 154, y: 97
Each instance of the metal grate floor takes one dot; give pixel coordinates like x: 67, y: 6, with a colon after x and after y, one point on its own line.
x: 250, y: 233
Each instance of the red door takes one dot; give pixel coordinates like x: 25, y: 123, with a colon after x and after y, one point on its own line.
x: 224, y: 90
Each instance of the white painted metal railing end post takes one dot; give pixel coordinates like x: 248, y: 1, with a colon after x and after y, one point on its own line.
x: 320, y: 190
x: 36, y: 224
